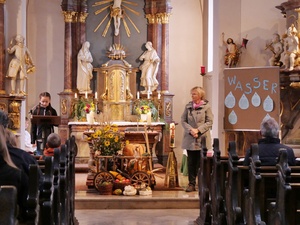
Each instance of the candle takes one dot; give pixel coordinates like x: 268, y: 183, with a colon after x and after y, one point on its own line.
x: 96, y: 95
x: 138, y: 95
x: 86, y: 95
x: 172, y: 135
x: 75, y: 96
x: 148, y: 118
x: 148, y: 95
x: 158, y: 96
x: 202, y: 70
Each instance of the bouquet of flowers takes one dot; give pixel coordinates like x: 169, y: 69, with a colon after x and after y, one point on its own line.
x: 89, y: 107
x: 83, y: 107
x: 107, y: 140
x: 145, y: 106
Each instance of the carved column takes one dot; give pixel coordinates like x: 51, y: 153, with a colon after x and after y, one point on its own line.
x: 165, y: 52
x: 2, y: 49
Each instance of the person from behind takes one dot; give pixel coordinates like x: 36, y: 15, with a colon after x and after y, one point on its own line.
x: 20, y: 158
x: 53, y: 142
x: 40, y: 132
x: 269, y: 145
x: 10, y: 174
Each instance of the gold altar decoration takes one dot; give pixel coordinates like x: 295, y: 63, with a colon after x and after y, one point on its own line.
x: 116, y: 96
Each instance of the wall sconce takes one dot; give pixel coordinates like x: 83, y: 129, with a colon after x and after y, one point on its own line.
x: 202, y: 70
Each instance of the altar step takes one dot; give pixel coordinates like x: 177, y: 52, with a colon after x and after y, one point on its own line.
x: 159, y: 200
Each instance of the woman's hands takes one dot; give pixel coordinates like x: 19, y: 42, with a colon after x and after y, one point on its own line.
x: 194, y: 132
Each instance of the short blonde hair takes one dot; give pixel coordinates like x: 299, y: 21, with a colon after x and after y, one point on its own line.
x: 200, y: 91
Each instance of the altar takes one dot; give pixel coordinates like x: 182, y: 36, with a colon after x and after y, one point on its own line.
x: 134, y: 132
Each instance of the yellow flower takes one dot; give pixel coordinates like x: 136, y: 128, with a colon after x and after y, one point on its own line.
x: 107, y: 139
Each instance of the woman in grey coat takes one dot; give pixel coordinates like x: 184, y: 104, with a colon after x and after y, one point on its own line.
x: 197, y: 120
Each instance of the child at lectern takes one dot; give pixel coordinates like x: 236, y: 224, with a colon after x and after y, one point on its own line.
x: 40, y: 132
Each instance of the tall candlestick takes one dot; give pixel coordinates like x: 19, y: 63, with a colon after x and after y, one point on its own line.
x: 148, y: 118
x: 172, y: 135
x: 138, y: 95
x: 148, y: 95
x: 96, y: 95
x: 75, y: 96
x: 86, y: 95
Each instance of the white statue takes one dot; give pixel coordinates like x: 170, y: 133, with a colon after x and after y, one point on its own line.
x: 20, y: 64
x: 276, y: 47
x: 116, y: 13
x: 149, y: 68
x: 291, y: 44
x: 84, y: 68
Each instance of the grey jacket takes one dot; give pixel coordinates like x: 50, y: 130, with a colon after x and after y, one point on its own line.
x: 200, y: 118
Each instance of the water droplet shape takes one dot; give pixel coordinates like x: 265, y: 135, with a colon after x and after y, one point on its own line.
x: 255, y: 100
x: 230, y: 100
x: 232, y: 117
x: 244, y: 103
x: 268, y: 104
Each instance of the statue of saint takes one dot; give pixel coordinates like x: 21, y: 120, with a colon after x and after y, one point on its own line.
x: 21, y: 64
x: 84, y: 68
x: 276, y: 48
x: 149, y: 68
x: 291, y: 44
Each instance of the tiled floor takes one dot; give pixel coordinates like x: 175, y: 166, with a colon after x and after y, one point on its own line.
x: 135, y: 215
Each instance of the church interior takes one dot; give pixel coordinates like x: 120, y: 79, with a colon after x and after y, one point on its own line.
x: 108, y: 62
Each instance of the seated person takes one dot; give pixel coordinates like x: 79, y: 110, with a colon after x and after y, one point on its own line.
x: 269, y: 146
x: 53, y: 142
x: 10, y: 174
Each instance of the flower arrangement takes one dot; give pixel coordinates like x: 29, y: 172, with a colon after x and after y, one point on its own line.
x: 83, y: 107
x: 145, y: 106
x: 107, y: 139
x: 89, y: 107
x: 143, y: 109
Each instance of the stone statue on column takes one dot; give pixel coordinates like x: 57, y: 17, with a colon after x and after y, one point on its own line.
x: 84, y: 68
x: 149, y: 68
x: 21, y: 64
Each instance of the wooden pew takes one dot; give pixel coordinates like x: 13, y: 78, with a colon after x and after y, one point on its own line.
x: 46, y: 196
x: 217, y: 189
x: 203, y: 188
x: 284, y: 209
x: 234, y: 213
x: 252, y: 200
x: 33, y: 206
x: 8, y: 205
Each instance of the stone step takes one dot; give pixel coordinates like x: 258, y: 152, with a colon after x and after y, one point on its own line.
x: 159, y: 200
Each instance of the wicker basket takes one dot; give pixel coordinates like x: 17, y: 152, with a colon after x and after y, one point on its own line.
x: 105, y: 189
x: 121, y: 186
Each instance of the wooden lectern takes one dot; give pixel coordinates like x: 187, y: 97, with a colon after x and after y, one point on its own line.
x: 45, y: 120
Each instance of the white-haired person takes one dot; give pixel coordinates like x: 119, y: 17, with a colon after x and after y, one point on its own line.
x: 269, y: 145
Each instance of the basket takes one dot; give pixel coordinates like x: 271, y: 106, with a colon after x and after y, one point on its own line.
x: 105, y: 189
x: 121, y: 186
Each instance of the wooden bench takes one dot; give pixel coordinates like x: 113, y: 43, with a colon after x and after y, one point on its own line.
x: 54, y: 203
x: 8, y: 205
x: 241, y: 194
